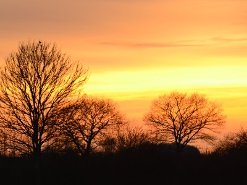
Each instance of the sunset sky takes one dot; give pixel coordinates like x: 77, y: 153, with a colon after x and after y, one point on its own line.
x: 136, y: 50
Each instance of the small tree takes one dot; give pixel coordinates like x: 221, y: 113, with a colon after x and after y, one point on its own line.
x: 126, y: 138
x: 83, y: 123
x: 232, y: 144
x: 36, y: 81
x: 181, y: 119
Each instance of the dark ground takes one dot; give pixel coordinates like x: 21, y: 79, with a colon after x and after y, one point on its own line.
x: 127, y: 167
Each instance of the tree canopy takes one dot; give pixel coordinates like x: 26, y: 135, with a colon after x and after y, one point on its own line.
x: 182, y: 118
x: 84, y: 123
x: 36, y: 80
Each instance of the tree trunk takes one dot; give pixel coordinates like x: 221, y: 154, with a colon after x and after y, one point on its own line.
x: 37, y: 164
x: 88, y: 148
x: 178, y: 147
x: 36, y: 152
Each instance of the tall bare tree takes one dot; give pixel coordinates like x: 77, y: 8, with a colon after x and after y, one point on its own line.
x: 180, y: 118
x: 83, y: 123
x: 37, y: 80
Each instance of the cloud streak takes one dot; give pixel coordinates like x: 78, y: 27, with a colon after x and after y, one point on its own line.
x: 149, y: 44
x: 176, y: 44
x: 229, y: 39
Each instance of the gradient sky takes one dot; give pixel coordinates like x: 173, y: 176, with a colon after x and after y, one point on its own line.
x: 136, y: 50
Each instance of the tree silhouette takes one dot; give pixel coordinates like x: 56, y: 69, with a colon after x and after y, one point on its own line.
x: 126, y: 138
x: 235, y: 144
x: 35, y: 82
x: 83, y: 123
x: 181, y: 119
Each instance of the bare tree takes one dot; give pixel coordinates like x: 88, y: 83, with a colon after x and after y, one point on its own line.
x: 83, y: 123
x: 180, y: 118
x: 36, y: 81
x: 235, y: 143
x: 126, y: 137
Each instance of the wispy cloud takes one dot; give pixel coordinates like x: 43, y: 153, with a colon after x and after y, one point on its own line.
x: 180, y: 43
x: 150, y: 44
x: 229, y: 39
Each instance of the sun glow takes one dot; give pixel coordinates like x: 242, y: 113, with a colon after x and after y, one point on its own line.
x: 146, y: 80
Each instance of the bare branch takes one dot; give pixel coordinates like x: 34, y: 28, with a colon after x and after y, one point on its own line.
x: 182, y: 119
x: 37, y: 80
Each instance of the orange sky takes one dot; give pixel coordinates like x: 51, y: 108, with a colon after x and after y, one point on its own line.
x: 136, y: 50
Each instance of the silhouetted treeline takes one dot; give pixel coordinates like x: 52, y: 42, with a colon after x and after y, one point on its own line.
x: 42, y: 109
x: 144, y: 164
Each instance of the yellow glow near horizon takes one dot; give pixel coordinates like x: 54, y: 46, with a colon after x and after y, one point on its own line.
x: 134, y: 90
x: 160, y: 79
